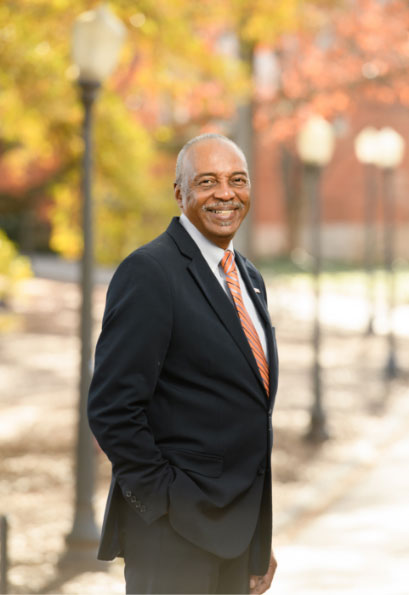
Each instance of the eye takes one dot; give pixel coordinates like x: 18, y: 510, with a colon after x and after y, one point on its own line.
x: 206, y: 182
x: 239, y: 181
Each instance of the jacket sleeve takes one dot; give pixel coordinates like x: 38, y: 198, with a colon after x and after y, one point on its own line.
x: 135, y: 334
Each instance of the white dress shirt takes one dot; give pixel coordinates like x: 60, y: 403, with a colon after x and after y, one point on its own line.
x: 213, y: 255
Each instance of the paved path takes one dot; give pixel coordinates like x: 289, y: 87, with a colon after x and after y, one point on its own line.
x: 360, y: 546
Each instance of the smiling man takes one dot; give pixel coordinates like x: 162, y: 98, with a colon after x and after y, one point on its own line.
x: 213, y: 187
x: 185, y: 377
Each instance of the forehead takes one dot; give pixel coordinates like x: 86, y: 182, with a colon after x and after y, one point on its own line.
x: 214, y: 156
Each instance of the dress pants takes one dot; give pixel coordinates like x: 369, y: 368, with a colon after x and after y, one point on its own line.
x: 158, y: 561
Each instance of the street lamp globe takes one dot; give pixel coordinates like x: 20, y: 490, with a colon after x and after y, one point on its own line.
x: 316, y: 142
x: 96, y: 42
x: 390, y: 148
x: 366, y: 145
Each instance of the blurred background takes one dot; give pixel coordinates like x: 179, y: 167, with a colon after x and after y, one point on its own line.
x: 93, y: 111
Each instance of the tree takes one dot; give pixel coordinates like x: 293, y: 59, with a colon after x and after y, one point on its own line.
x: 40, y: 132
x: 349, y: 53
x: 173, y: 79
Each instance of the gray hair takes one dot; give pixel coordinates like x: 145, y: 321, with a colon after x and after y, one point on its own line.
x: 179, y: 178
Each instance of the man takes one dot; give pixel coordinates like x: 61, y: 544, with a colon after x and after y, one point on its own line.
x: 181, y: 397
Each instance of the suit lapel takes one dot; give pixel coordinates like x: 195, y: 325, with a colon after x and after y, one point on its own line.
x: 213, y: 292
x: 223, y: 308
x: 253, y: 282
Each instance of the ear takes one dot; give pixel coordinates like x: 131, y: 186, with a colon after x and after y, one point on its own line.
x: 178, y: 195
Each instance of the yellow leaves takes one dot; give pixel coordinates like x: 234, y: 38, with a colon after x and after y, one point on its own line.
x: 124, y: 187
x: 13, y: 267
x: 149, y: 27
x: 8, y: 253
x: 116, y: 235
x: 66, y: 241
x: 137, y: 19
x: 174, y: 78
x: 163, y: 134
x: 66, y: 237
x: 267, y: 19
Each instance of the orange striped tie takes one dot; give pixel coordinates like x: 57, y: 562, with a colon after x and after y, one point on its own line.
x: 229, y: 267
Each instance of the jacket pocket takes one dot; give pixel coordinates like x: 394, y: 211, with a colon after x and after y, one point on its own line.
x: 210, y: 465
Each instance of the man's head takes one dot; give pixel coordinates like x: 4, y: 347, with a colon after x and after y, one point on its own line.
x: 212, y: 186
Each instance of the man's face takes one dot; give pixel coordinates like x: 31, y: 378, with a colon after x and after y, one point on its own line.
x: 215, y: 192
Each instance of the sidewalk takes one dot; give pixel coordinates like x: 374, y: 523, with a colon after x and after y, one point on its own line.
x: 39, y: 368
x: 342, y: 534
x: 360, y: 546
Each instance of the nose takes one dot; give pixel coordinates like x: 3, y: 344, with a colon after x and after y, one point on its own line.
x: 224, y: 191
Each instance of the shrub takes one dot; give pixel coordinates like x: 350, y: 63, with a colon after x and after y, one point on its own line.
x: 13, y: 267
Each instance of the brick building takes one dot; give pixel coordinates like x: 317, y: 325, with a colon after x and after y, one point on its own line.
x: 343, y: 192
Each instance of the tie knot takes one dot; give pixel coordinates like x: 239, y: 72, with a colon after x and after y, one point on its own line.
x: 227, y: 261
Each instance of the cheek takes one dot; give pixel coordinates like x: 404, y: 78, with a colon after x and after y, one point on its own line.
x: 246, y: 202
x: 194, y: 203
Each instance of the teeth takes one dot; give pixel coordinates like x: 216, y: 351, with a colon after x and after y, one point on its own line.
x: 224, y: 211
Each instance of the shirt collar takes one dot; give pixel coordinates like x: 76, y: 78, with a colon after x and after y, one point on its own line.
x: 210, y: 252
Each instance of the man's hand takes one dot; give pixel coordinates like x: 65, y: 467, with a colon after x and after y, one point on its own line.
x: 260, y: 584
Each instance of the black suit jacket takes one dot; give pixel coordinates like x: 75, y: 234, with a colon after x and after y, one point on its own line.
x: 177, y: 402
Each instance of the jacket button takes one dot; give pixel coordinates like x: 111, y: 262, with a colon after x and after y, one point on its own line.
x: 138, y: 504
x: 133, y: 499
x: 128, y: 494
x: 143, y: 508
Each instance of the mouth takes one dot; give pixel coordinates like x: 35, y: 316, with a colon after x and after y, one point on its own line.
x: 221, y: 211
x: 225, y: 210
x: 223, y: 215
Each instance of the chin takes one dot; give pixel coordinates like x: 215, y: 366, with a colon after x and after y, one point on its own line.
x: 228, y: 230
x: 223, y: 230
x: 224, y: 234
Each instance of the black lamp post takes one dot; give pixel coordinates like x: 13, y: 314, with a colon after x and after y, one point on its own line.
x: 391, y: 147
x: 315, y: 144
x: 391, y: 367
x: 366, y: 145
x: 97, y: 38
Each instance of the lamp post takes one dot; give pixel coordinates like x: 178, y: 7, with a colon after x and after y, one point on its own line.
x: 97, y: 38
x: 315, y: 145
x: 391, y: 147
x: 366, y: 145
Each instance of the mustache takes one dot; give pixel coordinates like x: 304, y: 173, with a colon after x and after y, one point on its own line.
x: 223, y: 206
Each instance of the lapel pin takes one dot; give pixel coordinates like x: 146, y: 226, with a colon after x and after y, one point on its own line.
x: 256, y: 290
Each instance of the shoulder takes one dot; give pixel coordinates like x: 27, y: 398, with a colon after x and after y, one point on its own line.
x: 154, y: 255
x: 145, y: 270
